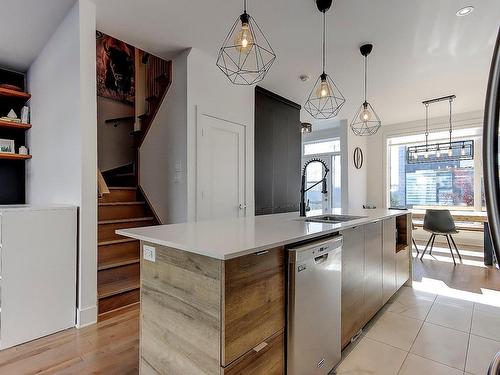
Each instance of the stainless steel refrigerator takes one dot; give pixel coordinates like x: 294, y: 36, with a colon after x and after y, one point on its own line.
x: 491, y: 156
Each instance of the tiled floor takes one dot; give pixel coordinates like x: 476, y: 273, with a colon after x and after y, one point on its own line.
x: 424, y: 333
x: 448, y: 323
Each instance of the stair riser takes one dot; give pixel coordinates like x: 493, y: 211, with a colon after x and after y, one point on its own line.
x: 107, y: 231
x: 118, y: 273
x: 121, y: 181
x: 122, y: 212
x: 120, y: 300
x: 122, y: 195
x: 117, y: 252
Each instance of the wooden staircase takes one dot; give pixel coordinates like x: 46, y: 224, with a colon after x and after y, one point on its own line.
x: 118, y: 269
x: 118, y: 275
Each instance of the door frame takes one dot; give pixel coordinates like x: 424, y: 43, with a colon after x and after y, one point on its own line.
x: 243, y: 200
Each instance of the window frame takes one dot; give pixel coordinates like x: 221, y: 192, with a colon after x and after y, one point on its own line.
x: 475, y: 134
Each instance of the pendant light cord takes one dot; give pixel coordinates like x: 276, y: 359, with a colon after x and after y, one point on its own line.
x: 324, y: 40
x: 244, y: 6
x: 426, y: 126
x: 451, y: 101
x: 366, y: 62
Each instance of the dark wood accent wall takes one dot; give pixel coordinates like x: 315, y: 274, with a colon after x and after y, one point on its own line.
x: 277, y: 153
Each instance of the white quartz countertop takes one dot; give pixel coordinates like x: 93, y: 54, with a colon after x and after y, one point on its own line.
x: 34, y: 207
x: 231, y: 238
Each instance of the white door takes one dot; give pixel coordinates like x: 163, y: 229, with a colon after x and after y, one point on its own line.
x: 220, y: 168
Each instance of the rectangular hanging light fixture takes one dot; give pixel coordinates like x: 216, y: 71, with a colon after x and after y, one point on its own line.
x: 436, y: 152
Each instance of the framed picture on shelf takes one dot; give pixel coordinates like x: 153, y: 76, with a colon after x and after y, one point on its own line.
x: 7, y: 146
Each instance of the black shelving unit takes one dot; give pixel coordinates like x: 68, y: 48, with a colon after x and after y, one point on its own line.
x: 13, y: 168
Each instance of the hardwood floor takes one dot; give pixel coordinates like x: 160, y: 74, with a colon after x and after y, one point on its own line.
x: 109, y: 347
x: 469, y: 275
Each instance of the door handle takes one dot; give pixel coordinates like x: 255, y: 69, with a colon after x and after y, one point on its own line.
x: 242, y: 206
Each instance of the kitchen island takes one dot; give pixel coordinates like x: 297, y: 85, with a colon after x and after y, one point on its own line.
x: 213, y: 293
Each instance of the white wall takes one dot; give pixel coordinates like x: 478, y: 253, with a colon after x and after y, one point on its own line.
x: 197, y: 85
x: 210, y: 92
x: 357, y: 177
x: 115, y: 145
x: 63, y: 140
x: 164, y: 147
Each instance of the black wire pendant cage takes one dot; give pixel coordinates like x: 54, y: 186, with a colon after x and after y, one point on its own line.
x: 246, y: 54
x: 325, y: 100
x: 366, y: 121
x: 439, y: 152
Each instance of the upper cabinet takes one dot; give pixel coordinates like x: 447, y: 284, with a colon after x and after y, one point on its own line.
x: 277, y: 153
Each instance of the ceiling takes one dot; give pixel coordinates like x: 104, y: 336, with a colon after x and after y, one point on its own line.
x: 421, y: 48
x: 25, y: 28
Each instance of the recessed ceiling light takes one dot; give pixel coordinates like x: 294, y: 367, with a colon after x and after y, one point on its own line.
x: 465, y: 11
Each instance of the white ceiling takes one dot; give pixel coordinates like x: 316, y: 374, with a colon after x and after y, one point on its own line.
x: 25, y: 28
x: 421, y: 48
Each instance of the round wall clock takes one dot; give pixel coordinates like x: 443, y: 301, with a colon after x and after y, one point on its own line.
x: 358, y: 158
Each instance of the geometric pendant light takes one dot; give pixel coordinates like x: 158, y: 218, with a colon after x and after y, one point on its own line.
x: 246, y: 55
x: 366, y: 120
x: 325, y: 99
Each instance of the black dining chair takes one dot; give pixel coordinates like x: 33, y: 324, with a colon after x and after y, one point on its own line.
x: 440, y: 223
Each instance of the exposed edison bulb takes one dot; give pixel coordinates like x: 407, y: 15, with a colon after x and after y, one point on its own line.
x: 244, y: 40
x: 415, y: 156
x: 323, y: 89
x: 462, y: 151
x: 450, y: 152
x: 365, y: 115
x: 438, y: 153
x: 426, y: 154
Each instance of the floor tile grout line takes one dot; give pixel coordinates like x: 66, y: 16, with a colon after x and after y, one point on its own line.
x: 415, y: 338
x: 413, y: 343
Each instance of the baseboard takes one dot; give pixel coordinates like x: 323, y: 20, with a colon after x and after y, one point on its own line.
x: 86, y: 317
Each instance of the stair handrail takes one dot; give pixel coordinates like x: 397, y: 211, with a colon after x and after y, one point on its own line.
x: 145, y: 127
x: 102, y: 187
x: 494, y: 368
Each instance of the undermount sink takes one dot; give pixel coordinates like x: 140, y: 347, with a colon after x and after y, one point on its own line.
x: 332, y: 219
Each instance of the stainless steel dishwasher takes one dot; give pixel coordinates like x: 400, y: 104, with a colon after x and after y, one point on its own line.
x: 314, y: 291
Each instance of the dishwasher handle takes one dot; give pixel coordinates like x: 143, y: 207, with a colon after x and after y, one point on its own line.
x: 321, y: 259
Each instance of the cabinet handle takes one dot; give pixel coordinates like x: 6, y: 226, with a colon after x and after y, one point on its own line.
x: 262, y: 252
x: 259, y: 347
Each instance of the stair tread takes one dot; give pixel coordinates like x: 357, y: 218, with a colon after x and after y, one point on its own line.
x: 114, y: 242
x: 118, y: 286
x: 112, y: 263
x: 129, y: 203
x: 123, y: 188
x: 117, y: 221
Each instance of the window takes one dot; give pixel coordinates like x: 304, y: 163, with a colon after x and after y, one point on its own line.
x: 451, y: 184
x: 329, y: 152
x: 322, y: 147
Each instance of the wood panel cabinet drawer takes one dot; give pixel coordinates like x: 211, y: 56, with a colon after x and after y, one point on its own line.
x: 253, y: 301
x: 268, y: 358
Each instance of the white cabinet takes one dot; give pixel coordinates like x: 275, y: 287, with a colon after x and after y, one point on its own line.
x: 38, y: 272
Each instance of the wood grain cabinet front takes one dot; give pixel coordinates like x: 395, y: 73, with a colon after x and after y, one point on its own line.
x: 353, y: 290
x: 253, y: 302
x: 268, y: 358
